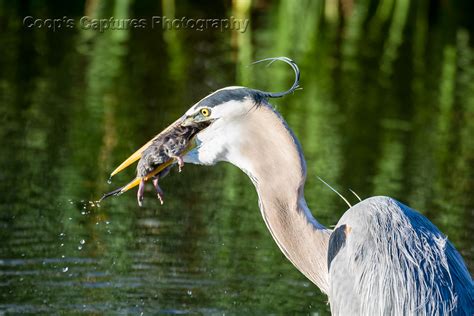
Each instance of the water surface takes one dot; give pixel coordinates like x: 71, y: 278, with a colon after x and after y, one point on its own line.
x: 386, y: 109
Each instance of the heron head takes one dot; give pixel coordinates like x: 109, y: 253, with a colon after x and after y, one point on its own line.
x: 222, y: 116
x: 214, y: 129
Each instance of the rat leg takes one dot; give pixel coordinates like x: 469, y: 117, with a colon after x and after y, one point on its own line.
x: 159, y: 191
x: 141, y: 190
x: 180, y: 162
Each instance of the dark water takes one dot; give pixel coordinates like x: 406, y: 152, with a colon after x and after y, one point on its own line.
x: 386, y: 108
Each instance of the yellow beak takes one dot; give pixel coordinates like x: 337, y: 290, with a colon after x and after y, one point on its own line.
x: 137, y: 155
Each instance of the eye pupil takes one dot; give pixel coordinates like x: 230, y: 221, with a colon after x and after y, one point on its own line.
x: 205, y: 112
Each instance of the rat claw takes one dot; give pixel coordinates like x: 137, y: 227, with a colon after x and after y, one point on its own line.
x: 180, y: 162
x: 141, y: 190
x: 159, y: 191
x: 160, y: 197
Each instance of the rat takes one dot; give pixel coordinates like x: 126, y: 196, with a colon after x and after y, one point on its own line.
x: 165, y: 147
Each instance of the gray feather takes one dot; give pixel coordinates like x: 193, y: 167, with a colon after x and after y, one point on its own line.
x: 396, y: 262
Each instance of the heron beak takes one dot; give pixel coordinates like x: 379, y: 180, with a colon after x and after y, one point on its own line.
x: 137, y: 155
x: 150, y: 175
x: 188, y: 121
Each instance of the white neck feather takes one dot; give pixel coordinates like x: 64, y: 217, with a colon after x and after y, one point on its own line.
x: 261, y: 144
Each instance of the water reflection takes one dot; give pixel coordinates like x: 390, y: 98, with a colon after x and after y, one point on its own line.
x: 386, y: 106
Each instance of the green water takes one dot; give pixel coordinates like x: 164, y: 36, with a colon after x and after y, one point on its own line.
x: 386, y: 108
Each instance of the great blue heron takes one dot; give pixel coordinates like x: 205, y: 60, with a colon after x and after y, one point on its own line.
x: 382, y: 258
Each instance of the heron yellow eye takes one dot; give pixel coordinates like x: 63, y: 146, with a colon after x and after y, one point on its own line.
x: 205, y: 112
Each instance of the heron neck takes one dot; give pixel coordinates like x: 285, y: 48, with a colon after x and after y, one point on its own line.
x: 275, y: 163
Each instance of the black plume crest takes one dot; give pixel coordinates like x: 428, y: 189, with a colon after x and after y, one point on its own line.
x: 295, y: 83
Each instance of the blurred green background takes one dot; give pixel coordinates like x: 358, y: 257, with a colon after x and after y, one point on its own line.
x: 386, y: 109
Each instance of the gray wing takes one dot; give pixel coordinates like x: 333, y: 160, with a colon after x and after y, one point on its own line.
x: 394, y: 261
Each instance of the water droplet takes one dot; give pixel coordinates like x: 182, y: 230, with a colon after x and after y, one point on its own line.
x: 109, y: 181
x: 79, y: 248
x: 83, y: 213
x: 70, y: 218
x: 190, y: 292
x: 65, y: 269
x: 63, y: 256
x: 61, y: 245
x: 107, y: 223
x: 82, y: 242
